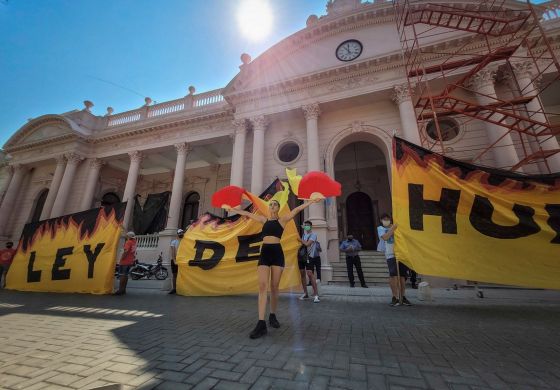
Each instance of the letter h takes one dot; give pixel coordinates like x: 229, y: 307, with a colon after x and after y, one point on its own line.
x: 446, y: 208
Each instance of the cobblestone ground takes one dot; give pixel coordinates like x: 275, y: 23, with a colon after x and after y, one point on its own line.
x: 147, y: 339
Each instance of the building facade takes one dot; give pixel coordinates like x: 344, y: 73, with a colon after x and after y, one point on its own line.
x: 329, y: 97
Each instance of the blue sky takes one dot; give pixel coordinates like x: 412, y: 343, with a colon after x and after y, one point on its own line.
x: 55, y: 54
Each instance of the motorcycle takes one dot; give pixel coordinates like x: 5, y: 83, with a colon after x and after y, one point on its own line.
x: 142, y: 270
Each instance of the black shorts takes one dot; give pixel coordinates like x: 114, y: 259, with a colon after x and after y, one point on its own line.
x: 313, y: 263
x: 392, y: 264
x: 301, y: 265
x: 174, y: 268
x: 271, y: 254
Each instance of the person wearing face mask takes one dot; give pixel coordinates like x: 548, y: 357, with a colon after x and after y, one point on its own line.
x: 352, y: 247
x: 314, y: 249
x: 309, y: 239
x: 397, y: 277
x: 173, y: 248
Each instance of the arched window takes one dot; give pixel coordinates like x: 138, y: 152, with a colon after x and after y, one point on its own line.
x: 39, y: 204
x: 109, y: 199
x: 190, y: 210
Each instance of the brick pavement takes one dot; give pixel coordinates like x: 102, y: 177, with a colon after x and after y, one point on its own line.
x: 148, y: 340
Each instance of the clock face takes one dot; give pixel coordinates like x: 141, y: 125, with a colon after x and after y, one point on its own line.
x: 349, y: 50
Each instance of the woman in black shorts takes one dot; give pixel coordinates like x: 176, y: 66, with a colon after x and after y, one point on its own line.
x: 271, y: 262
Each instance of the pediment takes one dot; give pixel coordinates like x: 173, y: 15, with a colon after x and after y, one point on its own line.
x: 43, y: 130
x: 313, y: 49
x: 46, y: 132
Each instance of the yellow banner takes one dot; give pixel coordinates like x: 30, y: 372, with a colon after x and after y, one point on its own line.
x: 73, y: 253
x: 219, y: 256
x: 467, y: 222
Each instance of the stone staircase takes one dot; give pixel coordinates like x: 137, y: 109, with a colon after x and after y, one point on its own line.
x: 373, y: 265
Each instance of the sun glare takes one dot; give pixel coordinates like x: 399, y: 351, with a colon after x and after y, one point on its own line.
x: 255, y: 19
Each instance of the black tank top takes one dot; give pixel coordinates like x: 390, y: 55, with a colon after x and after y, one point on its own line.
x: 272, y: 228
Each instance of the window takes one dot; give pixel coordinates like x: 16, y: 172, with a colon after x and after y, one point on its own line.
x: 109, y: 199
x: 288, y: 152
x: 190, y: 211
x: 39, y: 204
x: 449, y: 130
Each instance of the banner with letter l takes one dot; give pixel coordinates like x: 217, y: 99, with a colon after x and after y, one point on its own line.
x: 72, y: 253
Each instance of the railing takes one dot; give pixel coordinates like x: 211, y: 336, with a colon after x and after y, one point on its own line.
x: 147, y: 242
x: 122, y: 118
x: 209, y: 98
x: 166, y: 108
x: 550, y: 9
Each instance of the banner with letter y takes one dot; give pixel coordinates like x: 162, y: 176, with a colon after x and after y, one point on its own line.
x: 463, y: 221
x: 72, y: 253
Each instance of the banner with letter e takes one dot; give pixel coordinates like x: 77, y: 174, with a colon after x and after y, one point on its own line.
x: 73, y: 253
x: 463, y: 221
x: 218, y: 256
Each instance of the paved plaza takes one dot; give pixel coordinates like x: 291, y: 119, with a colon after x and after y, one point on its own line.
x: 351, y: 340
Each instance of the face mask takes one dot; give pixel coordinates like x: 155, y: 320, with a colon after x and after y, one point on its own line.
x: 307, y: 228
x: 350, y: 238
x: 386, y: 223
x: 180, y: 236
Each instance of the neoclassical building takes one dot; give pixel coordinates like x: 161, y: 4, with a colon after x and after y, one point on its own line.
x: 329, y: 97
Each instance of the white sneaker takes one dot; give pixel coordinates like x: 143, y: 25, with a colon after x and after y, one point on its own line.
x: 304, y: 297
x: 318, y: 281
x: 316, y: 299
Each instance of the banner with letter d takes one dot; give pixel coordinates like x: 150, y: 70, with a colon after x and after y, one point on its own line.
x: 72, y: 253
x: 219, y: 256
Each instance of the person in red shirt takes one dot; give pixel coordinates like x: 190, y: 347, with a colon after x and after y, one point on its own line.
x: 6, y: 258
x: 126, y: 262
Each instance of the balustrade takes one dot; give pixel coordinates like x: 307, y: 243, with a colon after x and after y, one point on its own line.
x: 184, y: 104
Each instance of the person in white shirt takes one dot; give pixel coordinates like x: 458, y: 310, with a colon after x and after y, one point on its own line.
x: 386, y: 234
x: 309, y: 239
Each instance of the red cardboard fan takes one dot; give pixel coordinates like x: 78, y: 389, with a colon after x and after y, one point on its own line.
x: 229, y: 196
x: 318, y: 185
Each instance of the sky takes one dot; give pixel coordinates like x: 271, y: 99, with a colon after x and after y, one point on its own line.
x: 55, y: 54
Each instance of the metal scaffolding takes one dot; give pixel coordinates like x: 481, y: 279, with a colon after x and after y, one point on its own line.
x: 447, y: 46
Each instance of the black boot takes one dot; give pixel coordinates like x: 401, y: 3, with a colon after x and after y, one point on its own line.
x: 259, y: 331
x: 273, y: 321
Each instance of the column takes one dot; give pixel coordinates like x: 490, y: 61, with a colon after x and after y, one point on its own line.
x: 238, y: 156
x: 6, y: 184
x: 53, y: 188
x: 130, y: 188
x: 402, y: 97
x: 95, y: 165
x: 311, y: 113
x: 59, y: 205
x: 12, y: 192
x: 177, y: 190
x: 503, y: 150
x: 257, y: 171
x: 522, y: 71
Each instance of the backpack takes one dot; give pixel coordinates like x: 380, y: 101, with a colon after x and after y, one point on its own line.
x: 302, y: 253
x: 318, y: 247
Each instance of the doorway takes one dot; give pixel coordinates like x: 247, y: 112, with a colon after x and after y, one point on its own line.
x: 361, y: 168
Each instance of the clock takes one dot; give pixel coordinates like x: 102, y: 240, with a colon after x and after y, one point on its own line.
x: 349, y: 50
